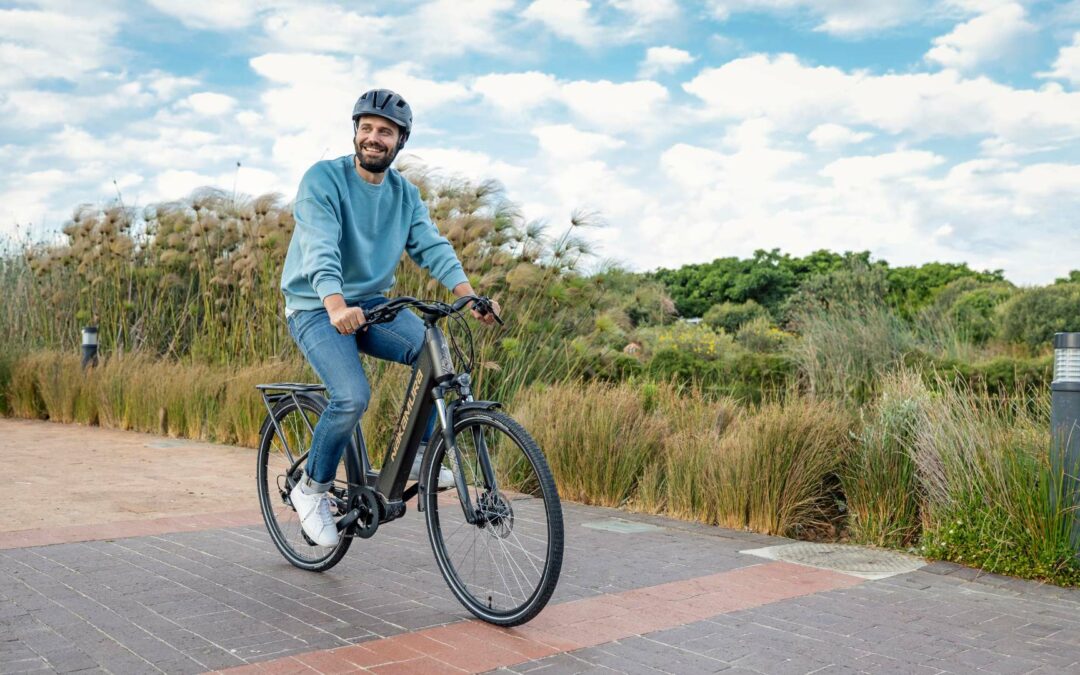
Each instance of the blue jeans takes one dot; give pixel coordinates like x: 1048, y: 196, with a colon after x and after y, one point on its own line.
x: 336, y: 360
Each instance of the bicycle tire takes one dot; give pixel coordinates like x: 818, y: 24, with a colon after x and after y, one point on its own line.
x: 281, y: 520
x: 516, y: 525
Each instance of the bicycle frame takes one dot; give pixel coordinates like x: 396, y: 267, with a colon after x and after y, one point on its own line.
x: 432, y: 377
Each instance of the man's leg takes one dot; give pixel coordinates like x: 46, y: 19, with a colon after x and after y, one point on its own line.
x: 399, y: 340
x: 334, y: 359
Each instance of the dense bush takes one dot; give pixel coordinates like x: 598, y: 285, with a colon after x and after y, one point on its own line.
x: 1033, y: 315
x: 729, y: 316
x: 999, y: 376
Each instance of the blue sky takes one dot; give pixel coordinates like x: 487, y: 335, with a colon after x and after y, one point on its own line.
x: 917, y: 130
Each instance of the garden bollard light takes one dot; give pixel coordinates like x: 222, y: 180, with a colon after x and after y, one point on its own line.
x: 89, y: 346
x: 1065, y: 424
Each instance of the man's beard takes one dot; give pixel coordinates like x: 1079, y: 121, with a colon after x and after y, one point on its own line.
x: 375, y: 165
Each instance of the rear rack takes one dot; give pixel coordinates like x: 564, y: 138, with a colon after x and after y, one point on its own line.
x: 291, y: 386
x: 276, y: 392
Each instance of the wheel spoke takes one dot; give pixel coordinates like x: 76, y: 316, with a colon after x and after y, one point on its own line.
x: 510, y: 574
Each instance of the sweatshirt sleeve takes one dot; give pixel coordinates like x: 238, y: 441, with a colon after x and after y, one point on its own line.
x: 319, y: 229
x: 432, y: 251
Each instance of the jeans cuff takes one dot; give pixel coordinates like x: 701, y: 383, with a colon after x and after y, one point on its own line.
x: 312, y: 487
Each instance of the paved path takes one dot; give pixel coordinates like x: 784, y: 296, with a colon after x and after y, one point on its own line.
x: 209, y: 591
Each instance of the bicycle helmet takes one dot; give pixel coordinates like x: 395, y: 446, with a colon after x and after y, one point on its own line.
x: 386, y: 104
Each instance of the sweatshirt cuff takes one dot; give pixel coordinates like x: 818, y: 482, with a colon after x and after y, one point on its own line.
x: 325, y: 287
x: 454, y: 278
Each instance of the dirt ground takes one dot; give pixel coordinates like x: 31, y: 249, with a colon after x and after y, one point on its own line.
x: 67, y: 474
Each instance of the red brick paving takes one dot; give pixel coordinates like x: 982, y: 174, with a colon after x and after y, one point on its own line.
x: 473, y: 646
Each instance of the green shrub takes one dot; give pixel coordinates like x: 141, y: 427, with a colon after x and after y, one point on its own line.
x: 1033, y: 315
x: 1000, y: 376
x: 730, y: 316
x: 760, y: 335
x: 975, y: 313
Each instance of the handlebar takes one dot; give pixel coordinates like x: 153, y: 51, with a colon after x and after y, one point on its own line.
x: 388, y: 310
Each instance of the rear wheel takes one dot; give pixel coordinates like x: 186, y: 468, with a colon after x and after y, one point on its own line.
x: 504, y: 567
x: 279, y: 468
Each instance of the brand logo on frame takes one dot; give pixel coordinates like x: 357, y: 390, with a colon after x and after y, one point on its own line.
x: 403, y: 420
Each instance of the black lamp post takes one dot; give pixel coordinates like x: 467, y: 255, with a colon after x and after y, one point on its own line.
x: 1065, y: 422
x: 89, y: 346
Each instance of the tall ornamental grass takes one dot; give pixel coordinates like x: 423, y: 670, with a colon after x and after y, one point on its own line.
x: 598, y: 438
x: 879, y: 477
x: 993, y: 500
x: 214, y: 403
x: 197, y: 281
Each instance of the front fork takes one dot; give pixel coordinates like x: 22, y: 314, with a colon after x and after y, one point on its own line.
x: 446, y: 421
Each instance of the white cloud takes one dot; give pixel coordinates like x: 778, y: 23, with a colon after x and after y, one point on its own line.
x: 990, y: 36
x: 647, y: 12
x: 1067, y: 63
x: 608, y: 105
x: 663, y: 60
x: 311, y: 91
x: 856, y: 172
x: 798, y: 97
x: 249, y: 119
x: 36, y: 108
x: 569, y: 19
x: 437, y: 28
x: 176, y: 184
x: 327, y: 28
x: 563, y: 140
x: 42, y: 43
x: 516, y: 93
x: 166, y: 86
x: 209, y: 103
x: 423, y: 94
x: 212, y: 14
x: 611, y: 105
x: 831, y: 135
x: 458, y: 26
x: 465, y: 163
x: 838, y: 17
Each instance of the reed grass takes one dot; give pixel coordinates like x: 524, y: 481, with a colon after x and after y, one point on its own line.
x: 879, y: 477
x: 993, y: 500
x: 598, y: 438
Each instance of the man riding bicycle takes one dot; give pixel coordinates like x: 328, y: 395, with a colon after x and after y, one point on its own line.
x: 355, y: 216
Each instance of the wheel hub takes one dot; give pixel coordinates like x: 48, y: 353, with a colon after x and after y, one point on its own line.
x: 496, y: 514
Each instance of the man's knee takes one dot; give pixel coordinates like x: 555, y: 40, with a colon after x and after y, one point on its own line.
x: 352, y: 401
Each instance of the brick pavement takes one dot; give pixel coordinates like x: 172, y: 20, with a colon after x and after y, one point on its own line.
x: 676, y: 598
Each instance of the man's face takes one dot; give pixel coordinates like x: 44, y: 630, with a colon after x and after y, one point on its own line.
x: 376, y: 142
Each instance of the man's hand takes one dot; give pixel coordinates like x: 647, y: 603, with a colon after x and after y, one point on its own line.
x: 465, y: 288
x: 488, y: 318
x: 347, y: 320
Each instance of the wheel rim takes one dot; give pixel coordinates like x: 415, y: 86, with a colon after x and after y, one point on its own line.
x: 281, y: 519
x: 499, y: 565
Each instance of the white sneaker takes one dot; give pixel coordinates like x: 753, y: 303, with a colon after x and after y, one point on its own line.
x: 446, y: 476
x: 315, y: 518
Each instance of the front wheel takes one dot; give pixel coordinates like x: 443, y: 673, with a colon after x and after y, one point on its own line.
x: 505, y: 565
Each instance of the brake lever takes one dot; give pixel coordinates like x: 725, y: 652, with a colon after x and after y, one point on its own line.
x: 484, y: 308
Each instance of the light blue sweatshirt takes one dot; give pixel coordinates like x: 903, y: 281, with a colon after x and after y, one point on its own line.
x: 350, y: 235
